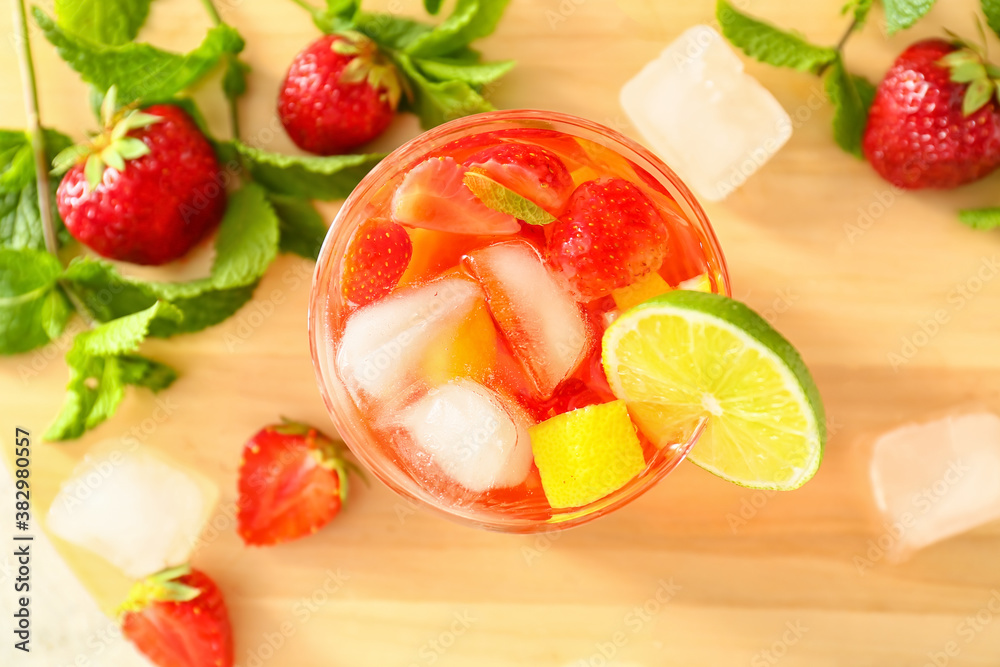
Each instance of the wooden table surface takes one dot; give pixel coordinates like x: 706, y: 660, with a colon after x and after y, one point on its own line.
x: 697, y: 571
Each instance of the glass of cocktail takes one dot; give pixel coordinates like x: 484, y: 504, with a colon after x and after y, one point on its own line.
x: 458, y: 308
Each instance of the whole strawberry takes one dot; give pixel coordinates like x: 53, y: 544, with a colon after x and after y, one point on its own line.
x: 610, y: 235
x: 177, y: 618
x: 935, y: 122
x: 145, y: 190
x: 340, y: 92
x: 293, y: 481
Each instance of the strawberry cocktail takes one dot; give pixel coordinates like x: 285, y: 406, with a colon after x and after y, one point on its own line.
x: 459, y: 304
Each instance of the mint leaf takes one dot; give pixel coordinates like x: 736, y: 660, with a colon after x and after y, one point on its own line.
x: 476, y: 74
x: 851, y: 97
x: 302, y: 228
x: 27, y: 277
x: 20, y: 220
x: 327, y: 178
x: 247, y: 242
x: 505, y: 200
x: 103, y: 21
x: 101, y: 364
x: 991, y: 9
x: 901, y: 14
x: 980, y: 218
x: 55, y: 312
x: 390, y: 32
x: 762, y: 41
x: 432, y: 6
x: 859, y: 10
x: 338, y: 15
x: 469, y: 20
x: 437, y: 102
x: 234, y: 81
x: 141, y: 71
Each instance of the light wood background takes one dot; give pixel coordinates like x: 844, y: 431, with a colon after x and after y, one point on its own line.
x: 843, y: 266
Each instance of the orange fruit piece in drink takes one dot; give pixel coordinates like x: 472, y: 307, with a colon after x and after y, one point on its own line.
x: 470, y: 351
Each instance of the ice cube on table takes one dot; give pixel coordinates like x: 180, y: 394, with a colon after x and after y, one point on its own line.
x: 935, y: 480
x: 543, y: 324
x: 384, y: 343
x: 711, y: 122
x: 134, y: 508
x: 477, y: 437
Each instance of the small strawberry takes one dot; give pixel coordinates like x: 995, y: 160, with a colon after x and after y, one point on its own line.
x: 293, y: 481
x: 177, y: 618
x: 340, y: 92
x: 609, y: 235
x: 935, y: 120
x: 531, y: 171
x: 377, y: 257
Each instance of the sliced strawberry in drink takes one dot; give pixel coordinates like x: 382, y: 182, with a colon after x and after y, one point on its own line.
x: 544, y: 327
x: 377, y: 257
x: 531, y: 171
x: 433, y: 196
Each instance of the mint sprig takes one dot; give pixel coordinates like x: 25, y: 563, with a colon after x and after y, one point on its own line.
x: 102, y: 21
x: 33, y: 310
x: 851, y: 95
x: 101, y: 363
x: 445, y: 76
x: 140, y: 71
x: 20, y: 220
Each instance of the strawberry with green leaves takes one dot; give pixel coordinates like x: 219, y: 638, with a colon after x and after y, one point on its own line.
x: 935, y: 119
x: 144, y: 190
x: 292, y: 482
x: 178, y: 618
x: 340, y: 92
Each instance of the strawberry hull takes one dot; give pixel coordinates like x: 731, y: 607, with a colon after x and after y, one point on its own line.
x: 546, y: 295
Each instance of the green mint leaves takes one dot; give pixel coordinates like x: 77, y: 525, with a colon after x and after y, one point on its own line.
x: 103, y: 21
x: 991, y: 9
x: 325, y: 178
x: 101, y: 364
x: 503, y: 199
x: 444, y: 75
x: 140, y: 71
x: 850, y: 95
x: 762, y: 41
x: 33, y: 310
x: 980, y: 218
x: 20, y: 221
x: 901, y: 14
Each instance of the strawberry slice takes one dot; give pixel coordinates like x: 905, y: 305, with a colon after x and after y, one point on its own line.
x: 531, y: 171
x: 610, y: 235
x: 433, y: 196
x: 377, y: 257
x: 177, y: 618
x: 293, y: 481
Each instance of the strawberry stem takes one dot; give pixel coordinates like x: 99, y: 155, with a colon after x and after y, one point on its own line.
x: 38, y: 149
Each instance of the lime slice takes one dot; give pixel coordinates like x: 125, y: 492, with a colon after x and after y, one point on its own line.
x: 685, y: 359
x: 585, y: 454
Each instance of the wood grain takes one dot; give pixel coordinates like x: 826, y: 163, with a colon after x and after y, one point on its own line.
x: 696, y: 572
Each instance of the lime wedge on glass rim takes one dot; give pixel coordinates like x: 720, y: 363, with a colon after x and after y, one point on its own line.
x: 686, y: 357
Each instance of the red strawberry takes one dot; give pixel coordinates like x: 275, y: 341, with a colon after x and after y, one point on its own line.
x: 531, y: 171
x: 177, y: 618
x: 293, y: 481
x: 934, y: 122
x: 144, y: 191
x: 609, y: 235
x: 340, y: 92
x: 433, y: 195
x: 377, y: 257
